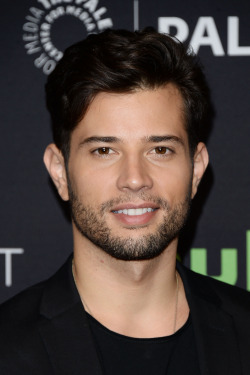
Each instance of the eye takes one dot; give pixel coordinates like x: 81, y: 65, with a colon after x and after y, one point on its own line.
x: 162, y: 150
x: 103, y: 151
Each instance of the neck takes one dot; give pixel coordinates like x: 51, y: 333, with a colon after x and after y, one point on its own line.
x: 134, y: 298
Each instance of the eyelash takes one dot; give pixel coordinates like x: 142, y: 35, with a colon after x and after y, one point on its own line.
x: 166, y: 150
x: 98, y: 153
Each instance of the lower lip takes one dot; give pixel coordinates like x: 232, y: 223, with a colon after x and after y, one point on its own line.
x: 136, y: 219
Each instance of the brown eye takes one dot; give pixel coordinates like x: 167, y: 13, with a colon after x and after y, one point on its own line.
x: 103, y: 150
x: 161, y: 150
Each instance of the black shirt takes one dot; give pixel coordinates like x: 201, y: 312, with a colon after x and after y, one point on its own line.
x: 121, y: 355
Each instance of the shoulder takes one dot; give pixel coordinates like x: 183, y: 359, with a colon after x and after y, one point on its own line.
x: 28, y: 305
x: 20, y: 342
x: 231, y: 298
x: 21, y: 306
x: 20, y: 314
x: 23, y: 318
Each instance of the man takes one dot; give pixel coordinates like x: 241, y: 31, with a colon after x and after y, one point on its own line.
x: 126, y: 108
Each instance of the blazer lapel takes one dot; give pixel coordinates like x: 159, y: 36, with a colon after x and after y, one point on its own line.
x: 64, y: 327
x: 216, y: 340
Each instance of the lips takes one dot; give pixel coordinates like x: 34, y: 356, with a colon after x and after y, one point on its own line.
x: 135, y: 214
x: 134, y: 211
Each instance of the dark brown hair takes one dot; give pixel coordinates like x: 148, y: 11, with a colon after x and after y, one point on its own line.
x: 121, y: 61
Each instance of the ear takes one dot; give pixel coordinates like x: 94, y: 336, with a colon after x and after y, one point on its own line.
x: 54, y: 162
x: 200, y: 165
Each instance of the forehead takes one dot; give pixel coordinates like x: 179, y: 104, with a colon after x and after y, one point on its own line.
x: 138, y: 114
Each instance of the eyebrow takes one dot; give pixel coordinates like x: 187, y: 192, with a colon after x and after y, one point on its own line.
x: 150, y: 139
x: 100, y: 140
x: 164, y: 138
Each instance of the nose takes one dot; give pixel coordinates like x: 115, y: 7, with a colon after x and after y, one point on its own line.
x: 134, y: 174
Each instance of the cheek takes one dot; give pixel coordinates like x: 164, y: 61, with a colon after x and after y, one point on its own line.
x: 91, y: 187
x: 176, y: 183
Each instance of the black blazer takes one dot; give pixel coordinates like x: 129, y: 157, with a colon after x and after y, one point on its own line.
x: 44, y: 330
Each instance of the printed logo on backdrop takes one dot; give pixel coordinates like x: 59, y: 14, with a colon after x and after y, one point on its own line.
x: 206, y: 33
x: 52, y: 25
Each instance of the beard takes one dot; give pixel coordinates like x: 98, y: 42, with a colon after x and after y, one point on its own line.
x: 91, y: 223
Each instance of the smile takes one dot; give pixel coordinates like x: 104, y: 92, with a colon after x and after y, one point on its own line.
x: 135, y: 211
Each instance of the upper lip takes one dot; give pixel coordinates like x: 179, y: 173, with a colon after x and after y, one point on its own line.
x: 134, y: 205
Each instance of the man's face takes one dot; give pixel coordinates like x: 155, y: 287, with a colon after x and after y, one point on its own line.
x: 130, y: 172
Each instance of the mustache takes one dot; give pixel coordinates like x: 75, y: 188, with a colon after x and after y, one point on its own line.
x: 107, y: 206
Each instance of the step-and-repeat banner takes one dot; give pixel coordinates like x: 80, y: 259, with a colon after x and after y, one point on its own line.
x: 35, y: 233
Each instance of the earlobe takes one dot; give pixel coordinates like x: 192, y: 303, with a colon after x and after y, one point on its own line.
x: 54, y: 162
x: 200, y: 164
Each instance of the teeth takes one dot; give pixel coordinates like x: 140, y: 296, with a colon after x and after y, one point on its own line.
x: 134, y: 211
